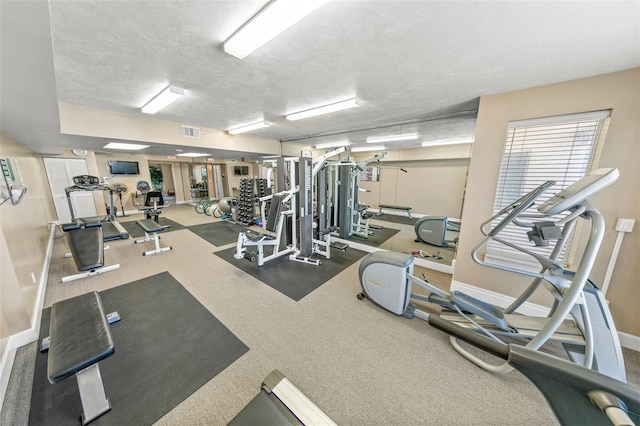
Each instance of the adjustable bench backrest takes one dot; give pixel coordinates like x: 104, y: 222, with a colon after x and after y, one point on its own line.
x: 153, y: 196
x: 85, y: 243
x: 274, y: 213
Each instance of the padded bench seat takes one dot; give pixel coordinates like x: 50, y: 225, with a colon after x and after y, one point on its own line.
x: 150, y: 226
x: 392, y: 207
x: 80, y: 338
x: 85, y: 244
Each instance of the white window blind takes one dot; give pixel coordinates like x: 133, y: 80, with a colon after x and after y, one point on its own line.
x: 561, y: 148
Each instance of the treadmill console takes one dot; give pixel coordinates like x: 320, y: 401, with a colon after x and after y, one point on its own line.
x: 579, y: 191
x: 86, y: 181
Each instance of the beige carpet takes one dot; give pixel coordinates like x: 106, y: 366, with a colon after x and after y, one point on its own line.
x: 358, y: 363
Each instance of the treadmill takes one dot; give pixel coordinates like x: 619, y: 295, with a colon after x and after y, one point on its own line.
x: 280, y: 403
x: 111, y: 228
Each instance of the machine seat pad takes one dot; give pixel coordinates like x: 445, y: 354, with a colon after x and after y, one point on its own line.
x: 86, y: 247
x: 257, y: 236
x: 79, y: 336
x: 150, y: 225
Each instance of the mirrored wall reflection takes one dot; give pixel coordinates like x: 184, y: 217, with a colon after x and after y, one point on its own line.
x: 420, y: 204
x: 410, y: 192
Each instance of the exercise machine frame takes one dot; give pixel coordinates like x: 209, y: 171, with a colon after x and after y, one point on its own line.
x: 580, y: 318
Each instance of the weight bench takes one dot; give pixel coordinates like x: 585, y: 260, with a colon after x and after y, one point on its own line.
x: 79, y: 338
x: 87, y: 249
x: 274, y: 227
x: 151, y: 227
x: 391, y: 207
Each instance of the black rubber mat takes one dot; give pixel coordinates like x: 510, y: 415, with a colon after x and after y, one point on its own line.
x: 404, y: 220
x: 218, y: 233
x: 167, y: 345
x: 295, y: 279
x: 375, y: 239
x: 135, y: 231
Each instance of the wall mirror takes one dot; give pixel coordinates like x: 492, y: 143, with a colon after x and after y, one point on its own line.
x: 426, y: 174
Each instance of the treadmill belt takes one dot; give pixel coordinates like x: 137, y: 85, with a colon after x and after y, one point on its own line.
x: 110, y: 232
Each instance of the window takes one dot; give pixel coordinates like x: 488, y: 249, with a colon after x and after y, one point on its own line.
x: 561, y: 148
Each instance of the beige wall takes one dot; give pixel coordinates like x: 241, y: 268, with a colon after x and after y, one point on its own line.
x: 616, y: 91
x: 23, y: 239
x: 86, y: 121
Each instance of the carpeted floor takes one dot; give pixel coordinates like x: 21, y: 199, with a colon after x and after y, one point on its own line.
x: 167, y: 346
x: 360, y: 364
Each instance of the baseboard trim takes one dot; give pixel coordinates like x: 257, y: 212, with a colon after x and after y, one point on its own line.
x: 30, y: 335
x: 628, y: 341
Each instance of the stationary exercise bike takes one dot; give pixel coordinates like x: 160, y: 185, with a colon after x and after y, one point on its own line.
x: 579, y: 319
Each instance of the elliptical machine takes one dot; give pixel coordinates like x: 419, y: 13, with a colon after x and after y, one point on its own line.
x: 434, y: 230
x: 579, y: 318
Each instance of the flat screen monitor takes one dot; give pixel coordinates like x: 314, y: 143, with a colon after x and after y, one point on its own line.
x: 124, y: 167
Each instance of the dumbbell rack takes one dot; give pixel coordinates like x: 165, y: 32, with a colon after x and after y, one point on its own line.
x: 245, y: 207
x: 250, y: 191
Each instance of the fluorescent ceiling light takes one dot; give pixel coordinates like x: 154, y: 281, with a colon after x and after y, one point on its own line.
x: 248, y: 128
x: 126, y: 146
x: 447, y: 142
x: 380, y: 139
x: 368, y: 148
x: 332, y: 144
x: 326, y: 109
x: 271, y: 21
x: 162, y: 99
x: 192, y: 154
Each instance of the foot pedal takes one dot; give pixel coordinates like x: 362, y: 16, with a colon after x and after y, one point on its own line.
x: 484, y: 310
x: 441, y: 301
x: 340, y: 246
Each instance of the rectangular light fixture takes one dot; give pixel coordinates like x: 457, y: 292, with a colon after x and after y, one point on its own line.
x: 381, y: 139
x: 325, y: 109
x: 332, y: 144
x: 162, y: 99
x: 248, y: 128
x: 447, y: 142
x: 193, y: 154
x: 271, y: 21
x: 368, y: 148
x: 125, y: 146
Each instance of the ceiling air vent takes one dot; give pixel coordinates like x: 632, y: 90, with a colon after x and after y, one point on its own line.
x: 190, y: 132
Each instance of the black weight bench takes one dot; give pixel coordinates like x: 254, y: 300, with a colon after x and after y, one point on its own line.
x: 79, y: 338
x: 392, y: 207
x: 87, y: 249
x: 151, y: 229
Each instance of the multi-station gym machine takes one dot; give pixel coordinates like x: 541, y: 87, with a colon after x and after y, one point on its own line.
x: 295, y: 223
x: 341, y: 188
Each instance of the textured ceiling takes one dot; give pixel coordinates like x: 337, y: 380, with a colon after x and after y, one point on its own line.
x: 405, y: 61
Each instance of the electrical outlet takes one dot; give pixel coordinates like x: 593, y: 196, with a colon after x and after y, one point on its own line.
x: 625, y: 225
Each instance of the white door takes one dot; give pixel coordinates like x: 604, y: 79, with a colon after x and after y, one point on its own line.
x: 60, y: 172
